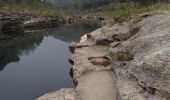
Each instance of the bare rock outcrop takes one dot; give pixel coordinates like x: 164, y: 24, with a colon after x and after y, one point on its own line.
x: 142, y: 62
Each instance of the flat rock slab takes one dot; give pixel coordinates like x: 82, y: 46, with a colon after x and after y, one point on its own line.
x: 62, y: 94
x: 97, y: 86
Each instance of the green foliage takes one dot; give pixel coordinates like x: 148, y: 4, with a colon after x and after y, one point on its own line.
x: 118, y: 12
x: 86, y: 4
x: 80, y: 4
x: 89, y: 4
x: 143, y: 1
x: 30, y: 5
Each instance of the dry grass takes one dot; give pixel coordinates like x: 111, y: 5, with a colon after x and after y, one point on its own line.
x: 120, y: 12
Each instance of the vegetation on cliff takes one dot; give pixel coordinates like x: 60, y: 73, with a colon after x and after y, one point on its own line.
x: 117, y: 10
x: 120, y: 11
x: 26, y: 6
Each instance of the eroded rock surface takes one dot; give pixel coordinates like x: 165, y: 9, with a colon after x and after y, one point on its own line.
x: 63, y: 94
x: 147, y: 71
x: 104, y: 61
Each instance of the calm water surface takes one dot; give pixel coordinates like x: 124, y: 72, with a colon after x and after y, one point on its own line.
x: 38, y: 63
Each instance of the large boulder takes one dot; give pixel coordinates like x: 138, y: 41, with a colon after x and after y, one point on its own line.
x: 151, y: 49
x: 146, y: 54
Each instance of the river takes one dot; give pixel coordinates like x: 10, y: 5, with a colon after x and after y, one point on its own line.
x: 37, y: 63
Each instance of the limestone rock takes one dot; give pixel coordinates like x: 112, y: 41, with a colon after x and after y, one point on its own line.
x: 149, y: 63
x: 107, y: 34
x: 63, y: 94
x: 151, y: 49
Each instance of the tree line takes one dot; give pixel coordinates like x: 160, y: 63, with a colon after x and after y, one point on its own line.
x: 143, y: 1
x: 86, y: 4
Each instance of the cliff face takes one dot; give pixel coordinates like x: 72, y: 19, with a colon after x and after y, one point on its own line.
x: 128, y: 61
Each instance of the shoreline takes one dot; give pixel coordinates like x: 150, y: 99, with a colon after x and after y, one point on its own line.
x: 11, y: 22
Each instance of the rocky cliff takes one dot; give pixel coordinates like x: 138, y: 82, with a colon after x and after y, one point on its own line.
x: 127, y: 61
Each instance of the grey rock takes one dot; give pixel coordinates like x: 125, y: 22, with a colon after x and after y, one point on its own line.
x: 63, y: 94
x: 107, y: 34
x: 152, y: 64
x: 150, y: 48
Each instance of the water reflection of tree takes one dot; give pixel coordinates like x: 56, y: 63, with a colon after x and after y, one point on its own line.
x: 11, y: 49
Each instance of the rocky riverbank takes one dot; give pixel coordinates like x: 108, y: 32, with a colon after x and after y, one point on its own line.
x: 13, y: 23
x: 128, y: 61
